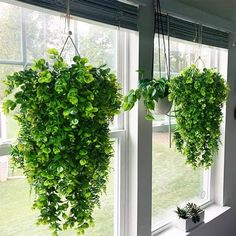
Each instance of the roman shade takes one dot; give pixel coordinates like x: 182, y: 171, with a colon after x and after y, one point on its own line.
x: 124, y: 15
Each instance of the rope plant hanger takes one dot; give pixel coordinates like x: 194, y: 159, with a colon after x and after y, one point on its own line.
x: 153, y: 91
x: 67, y: 22
x: 64, y: 145
x: 199, y: 41
x: 158, y: 23
x: 160, y: 35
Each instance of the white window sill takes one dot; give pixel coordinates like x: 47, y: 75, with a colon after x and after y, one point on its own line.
x: 211, y: 213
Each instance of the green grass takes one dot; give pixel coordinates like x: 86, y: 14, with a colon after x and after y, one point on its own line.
x: 18, y: 219
x: 173, y: 182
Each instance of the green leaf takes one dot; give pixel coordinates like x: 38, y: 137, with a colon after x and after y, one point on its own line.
x: 149, y: 117
x: 53, y: 51
x: 88, y: 79
x: 8, y: 105
x: 83, y: 162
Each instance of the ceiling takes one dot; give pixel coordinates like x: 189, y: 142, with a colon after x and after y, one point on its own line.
x: 222, y: 8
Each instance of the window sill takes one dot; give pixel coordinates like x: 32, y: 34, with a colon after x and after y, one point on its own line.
x: 211, y: 213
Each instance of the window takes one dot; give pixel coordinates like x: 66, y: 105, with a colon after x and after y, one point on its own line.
x: 173, y: 182
x: 27, y: 36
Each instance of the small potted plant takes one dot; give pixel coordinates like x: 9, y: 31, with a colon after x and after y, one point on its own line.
x: 190, y: 217
x: 154, y: 93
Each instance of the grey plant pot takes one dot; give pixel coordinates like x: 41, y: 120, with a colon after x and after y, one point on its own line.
x: 163, y: 106
x: 187, y: 225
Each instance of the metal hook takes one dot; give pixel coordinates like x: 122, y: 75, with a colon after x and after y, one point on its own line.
x: 200, y: 59
x: 67, y: 17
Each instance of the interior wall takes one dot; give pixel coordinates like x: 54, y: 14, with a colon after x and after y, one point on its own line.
x: 181, y: 10
x: 230, y: 138
x: 224, y: 225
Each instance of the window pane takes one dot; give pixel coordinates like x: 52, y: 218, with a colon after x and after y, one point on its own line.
x: 34, y: 34
x: 17, y: 217
x: 8, y: 126
x: 173, y: 181
x: 45, y: 31
x: 4, y: 71
x: 12, y: 170
x: 40, y: 32
x: 10, y: 32
x: 104, y: 216
x: 98, y: 44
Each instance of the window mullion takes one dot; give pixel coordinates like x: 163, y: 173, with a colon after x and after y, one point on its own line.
x: 23, y: 37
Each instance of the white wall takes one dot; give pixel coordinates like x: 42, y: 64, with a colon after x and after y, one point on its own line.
x: 224, y: 225
x: 230, y: 138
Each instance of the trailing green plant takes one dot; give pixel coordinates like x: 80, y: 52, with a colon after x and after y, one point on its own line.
x: 198, y: 98
x: 150, y: 91
x: 63, y: 143
x: 190, y: 211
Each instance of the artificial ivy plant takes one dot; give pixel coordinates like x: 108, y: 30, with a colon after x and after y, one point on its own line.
x: 63, y: 144
x: 198, y: 98
x: 151, y: 91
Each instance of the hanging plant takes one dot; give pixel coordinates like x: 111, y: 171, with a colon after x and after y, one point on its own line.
x: 151, y: 91
x: 63, y: 144
x: 154, y: 92
x: 198, y: 99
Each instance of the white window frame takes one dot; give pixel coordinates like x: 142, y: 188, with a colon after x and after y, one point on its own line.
x: 118, y: 133
x: 126, y: 176
x: 213, y: 177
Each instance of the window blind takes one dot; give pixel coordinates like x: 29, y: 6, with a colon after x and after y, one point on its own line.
x: 106, y: 11
x: 186, y: 30
x: 124, y: 15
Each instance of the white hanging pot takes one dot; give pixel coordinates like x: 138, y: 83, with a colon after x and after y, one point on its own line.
x: 163, y: 106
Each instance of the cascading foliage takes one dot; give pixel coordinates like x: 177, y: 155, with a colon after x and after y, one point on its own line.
x: 198, y: 99
x: 63, y: 144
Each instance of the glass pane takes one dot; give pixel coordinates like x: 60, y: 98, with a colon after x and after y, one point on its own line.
x: 10, y: 32
x: 34, y: 34
x: 173, y: 182
x: 104, y: 216
x: 8, y: 126
x: 4, y: 71
x: 98, y: 44
x: 46, y: 31
x: 6, y: 167
x: 17, y: 217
